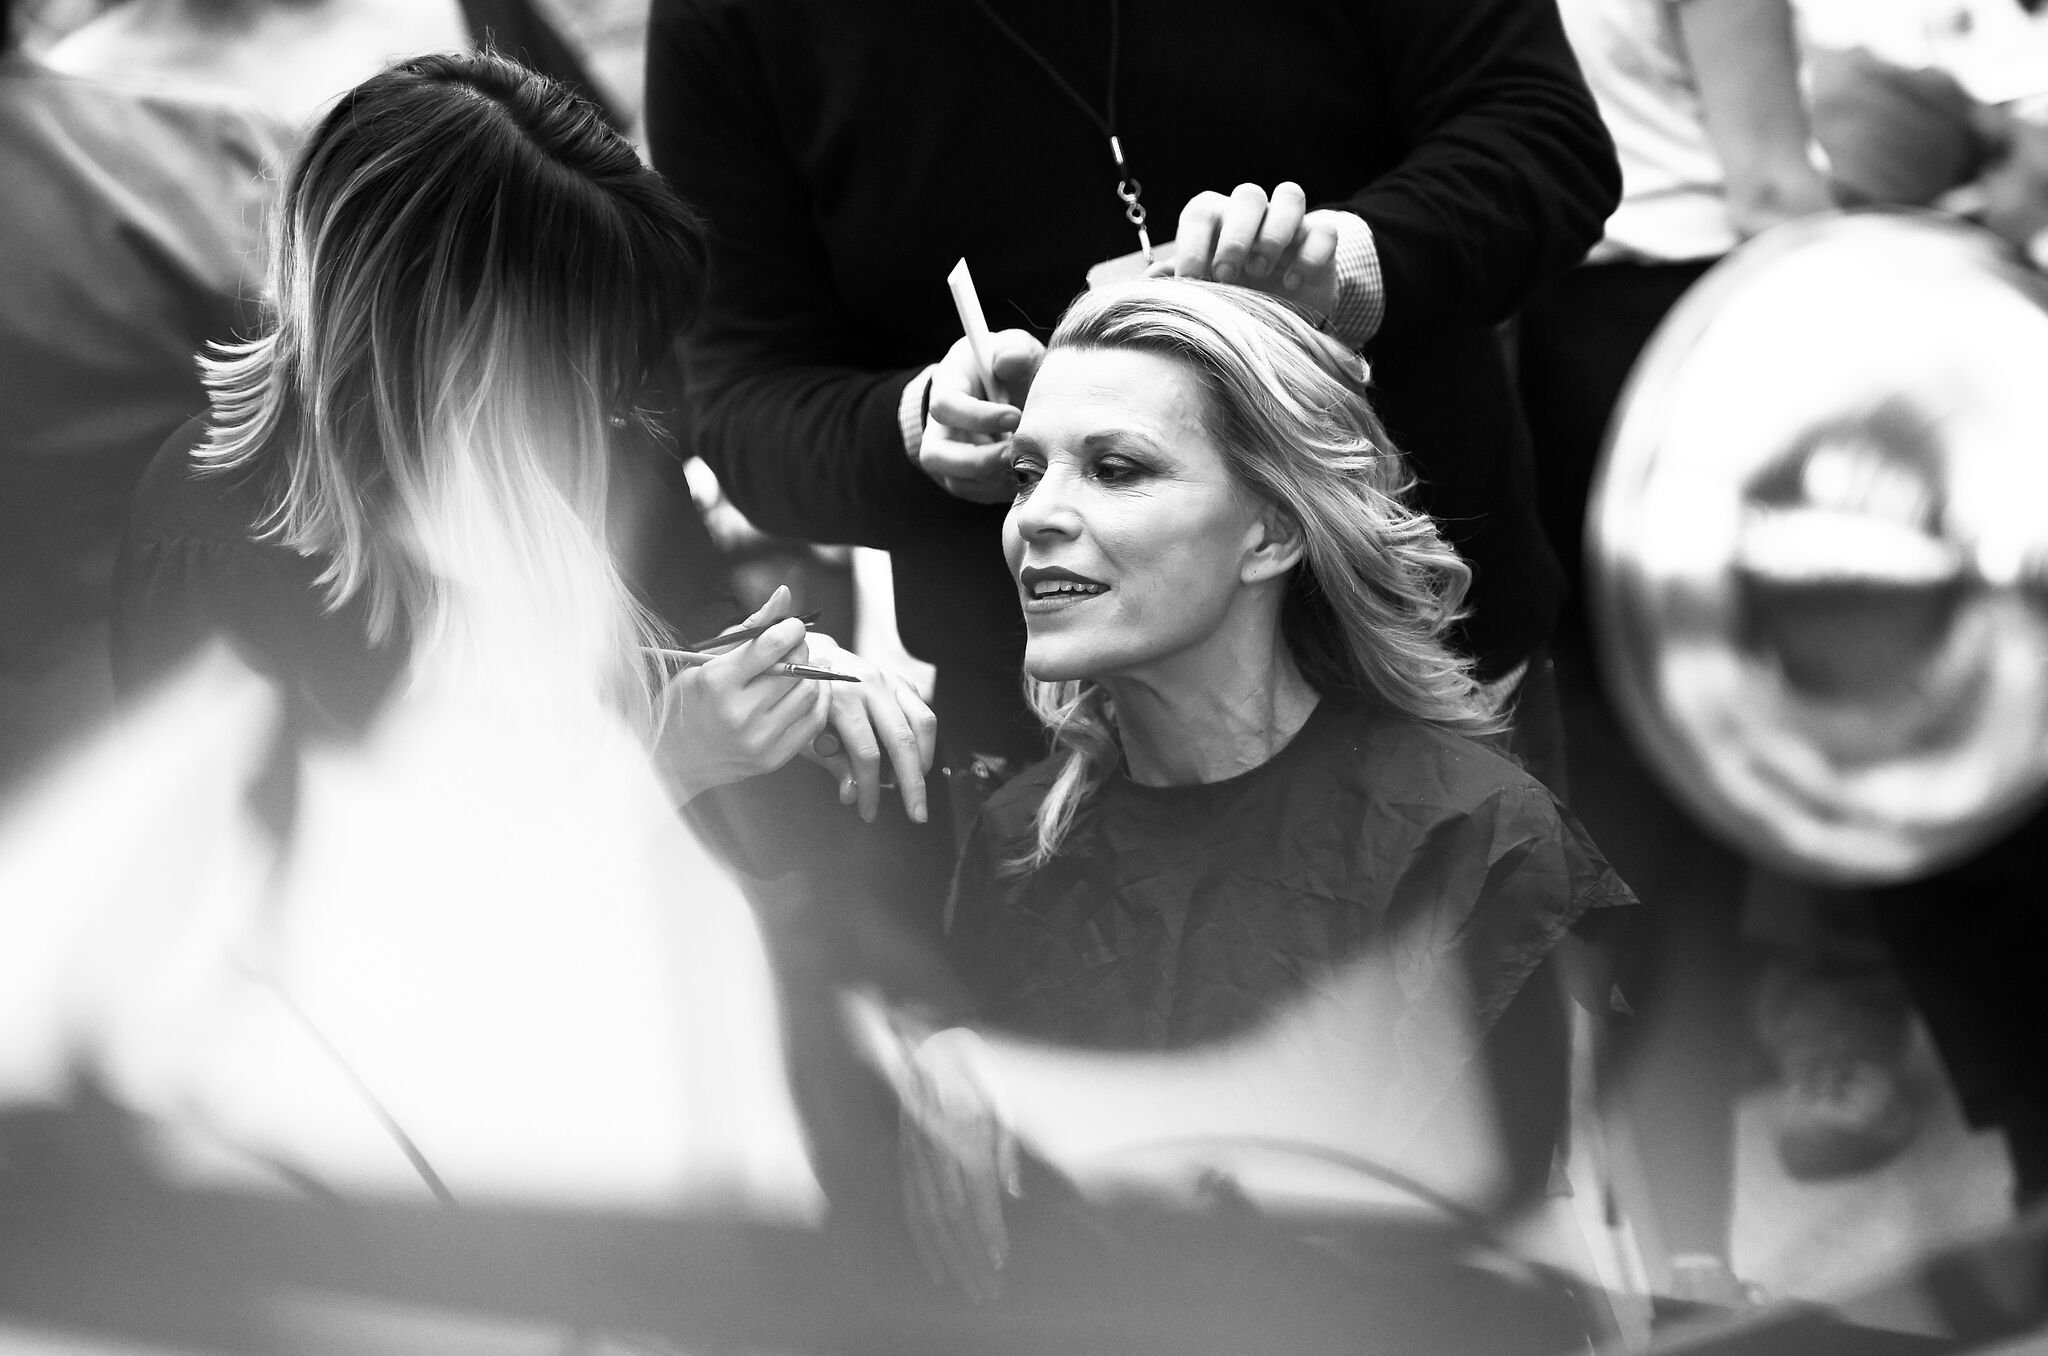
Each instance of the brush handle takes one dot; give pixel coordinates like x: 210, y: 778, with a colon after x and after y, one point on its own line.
x: 975, y: 326
x: 689, y: 659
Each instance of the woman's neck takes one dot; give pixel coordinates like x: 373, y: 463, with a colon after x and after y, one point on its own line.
x: 1214, y: 723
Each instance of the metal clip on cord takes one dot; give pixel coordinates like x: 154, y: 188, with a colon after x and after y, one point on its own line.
x: 1128, y: 188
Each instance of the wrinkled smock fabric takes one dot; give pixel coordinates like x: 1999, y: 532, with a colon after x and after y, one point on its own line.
x: 1179, y: 915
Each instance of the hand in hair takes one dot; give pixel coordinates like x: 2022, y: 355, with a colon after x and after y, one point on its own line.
x: 882, y: 714
x: 1271, y: 244
x: 966, y: 429
x: 734, y: 717
x: 957, y: 1153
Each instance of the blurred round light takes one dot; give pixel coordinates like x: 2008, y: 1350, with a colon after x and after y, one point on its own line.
x: 1819, y: 546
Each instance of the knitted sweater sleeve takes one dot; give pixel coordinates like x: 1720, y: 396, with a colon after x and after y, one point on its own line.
x: 1508, y: 172
x: 783, y: 404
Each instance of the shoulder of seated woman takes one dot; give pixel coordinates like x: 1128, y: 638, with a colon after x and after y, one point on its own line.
x: 1467, y: 771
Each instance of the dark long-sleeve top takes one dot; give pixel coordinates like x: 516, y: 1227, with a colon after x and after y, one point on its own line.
x: 846, y: 154
x: 193, y: 568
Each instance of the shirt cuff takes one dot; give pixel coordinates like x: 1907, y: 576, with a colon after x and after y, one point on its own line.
x: 1361, y: 289
x: 910, y: 411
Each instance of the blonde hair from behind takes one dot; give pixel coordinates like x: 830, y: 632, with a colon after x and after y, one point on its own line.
x: 478, y: 286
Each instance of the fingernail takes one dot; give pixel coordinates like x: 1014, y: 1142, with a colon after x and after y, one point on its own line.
x: 1007, y: 420
x: 1291, y: 281
x: 917, y: 813
x: 1259, y: 267
x: 1225, y: 272
x: 846, y: 792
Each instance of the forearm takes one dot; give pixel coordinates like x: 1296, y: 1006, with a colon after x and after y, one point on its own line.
x: 812, y: 451
x: 1509, y: 173
x: 787, y: 398
x: 1745, y: 67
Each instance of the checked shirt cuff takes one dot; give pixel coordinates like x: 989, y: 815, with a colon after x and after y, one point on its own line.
x: 1361, y: 289
x: 910, y: 411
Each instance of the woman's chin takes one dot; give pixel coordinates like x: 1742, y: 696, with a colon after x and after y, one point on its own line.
x: 1056, y: 663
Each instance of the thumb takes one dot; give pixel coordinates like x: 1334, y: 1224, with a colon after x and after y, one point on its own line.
x: 778, y: 606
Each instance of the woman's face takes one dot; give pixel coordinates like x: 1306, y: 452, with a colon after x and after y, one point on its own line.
x: 1129, y: 541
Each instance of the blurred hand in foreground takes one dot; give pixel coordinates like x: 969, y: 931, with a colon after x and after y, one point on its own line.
x: 957, y: 1153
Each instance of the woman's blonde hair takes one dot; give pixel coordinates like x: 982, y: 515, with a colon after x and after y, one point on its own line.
x: 1366, y: 612
x: 478, y: 285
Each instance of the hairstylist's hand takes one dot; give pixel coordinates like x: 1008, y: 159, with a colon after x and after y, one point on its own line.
x: 879, y: 717
x: 1270, y: 244
x: 967, y: 429
x: 957, y: 1153
x: 734, y: 717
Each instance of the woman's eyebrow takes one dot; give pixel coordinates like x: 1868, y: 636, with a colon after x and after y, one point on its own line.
x: 1109, y: 440
x: 1120, y: 439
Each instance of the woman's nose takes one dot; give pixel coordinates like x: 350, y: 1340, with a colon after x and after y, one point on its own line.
x: 1049, y: 509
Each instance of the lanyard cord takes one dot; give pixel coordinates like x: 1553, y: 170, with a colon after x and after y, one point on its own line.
x: 1107, y: 120
x: 1127, y: 186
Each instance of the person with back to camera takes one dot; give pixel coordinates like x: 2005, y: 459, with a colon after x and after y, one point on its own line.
x: 1267, y: 759
x: 408, y: 912
x: 478, y: 284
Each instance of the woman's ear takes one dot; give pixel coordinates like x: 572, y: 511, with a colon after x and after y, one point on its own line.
x: 1277, y: 549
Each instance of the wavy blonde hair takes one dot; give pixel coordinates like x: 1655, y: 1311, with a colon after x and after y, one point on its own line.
x: 477, y: 282
x: 1366, y: 612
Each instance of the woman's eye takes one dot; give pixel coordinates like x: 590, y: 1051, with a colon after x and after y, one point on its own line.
x: 1113, y: 469
x: 1027, y: 474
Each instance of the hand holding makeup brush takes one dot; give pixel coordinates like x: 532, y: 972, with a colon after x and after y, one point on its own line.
x: 735, y: 716
x: 741, y: 714
x: 974, y: 401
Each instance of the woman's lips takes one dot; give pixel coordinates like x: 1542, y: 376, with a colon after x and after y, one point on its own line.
x: 1050, y: 586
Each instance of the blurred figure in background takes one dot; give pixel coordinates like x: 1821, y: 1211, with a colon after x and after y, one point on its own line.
x: 130, y: 236
x: 1942, y: 104
x: 1910, y: 96
x: 1703, y: 100
x: 294, y: 56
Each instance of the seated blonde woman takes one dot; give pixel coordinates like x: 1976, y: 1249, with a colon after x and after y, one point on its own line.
x: 1275, y: 870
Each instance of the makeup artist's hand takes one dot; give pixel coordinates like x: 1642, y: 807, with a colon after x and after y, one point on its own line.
x: 967, y: 431
x: 880, y: 717
x: 1269, y: 244
x: 957, y: 1153
x: 734, y: 717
